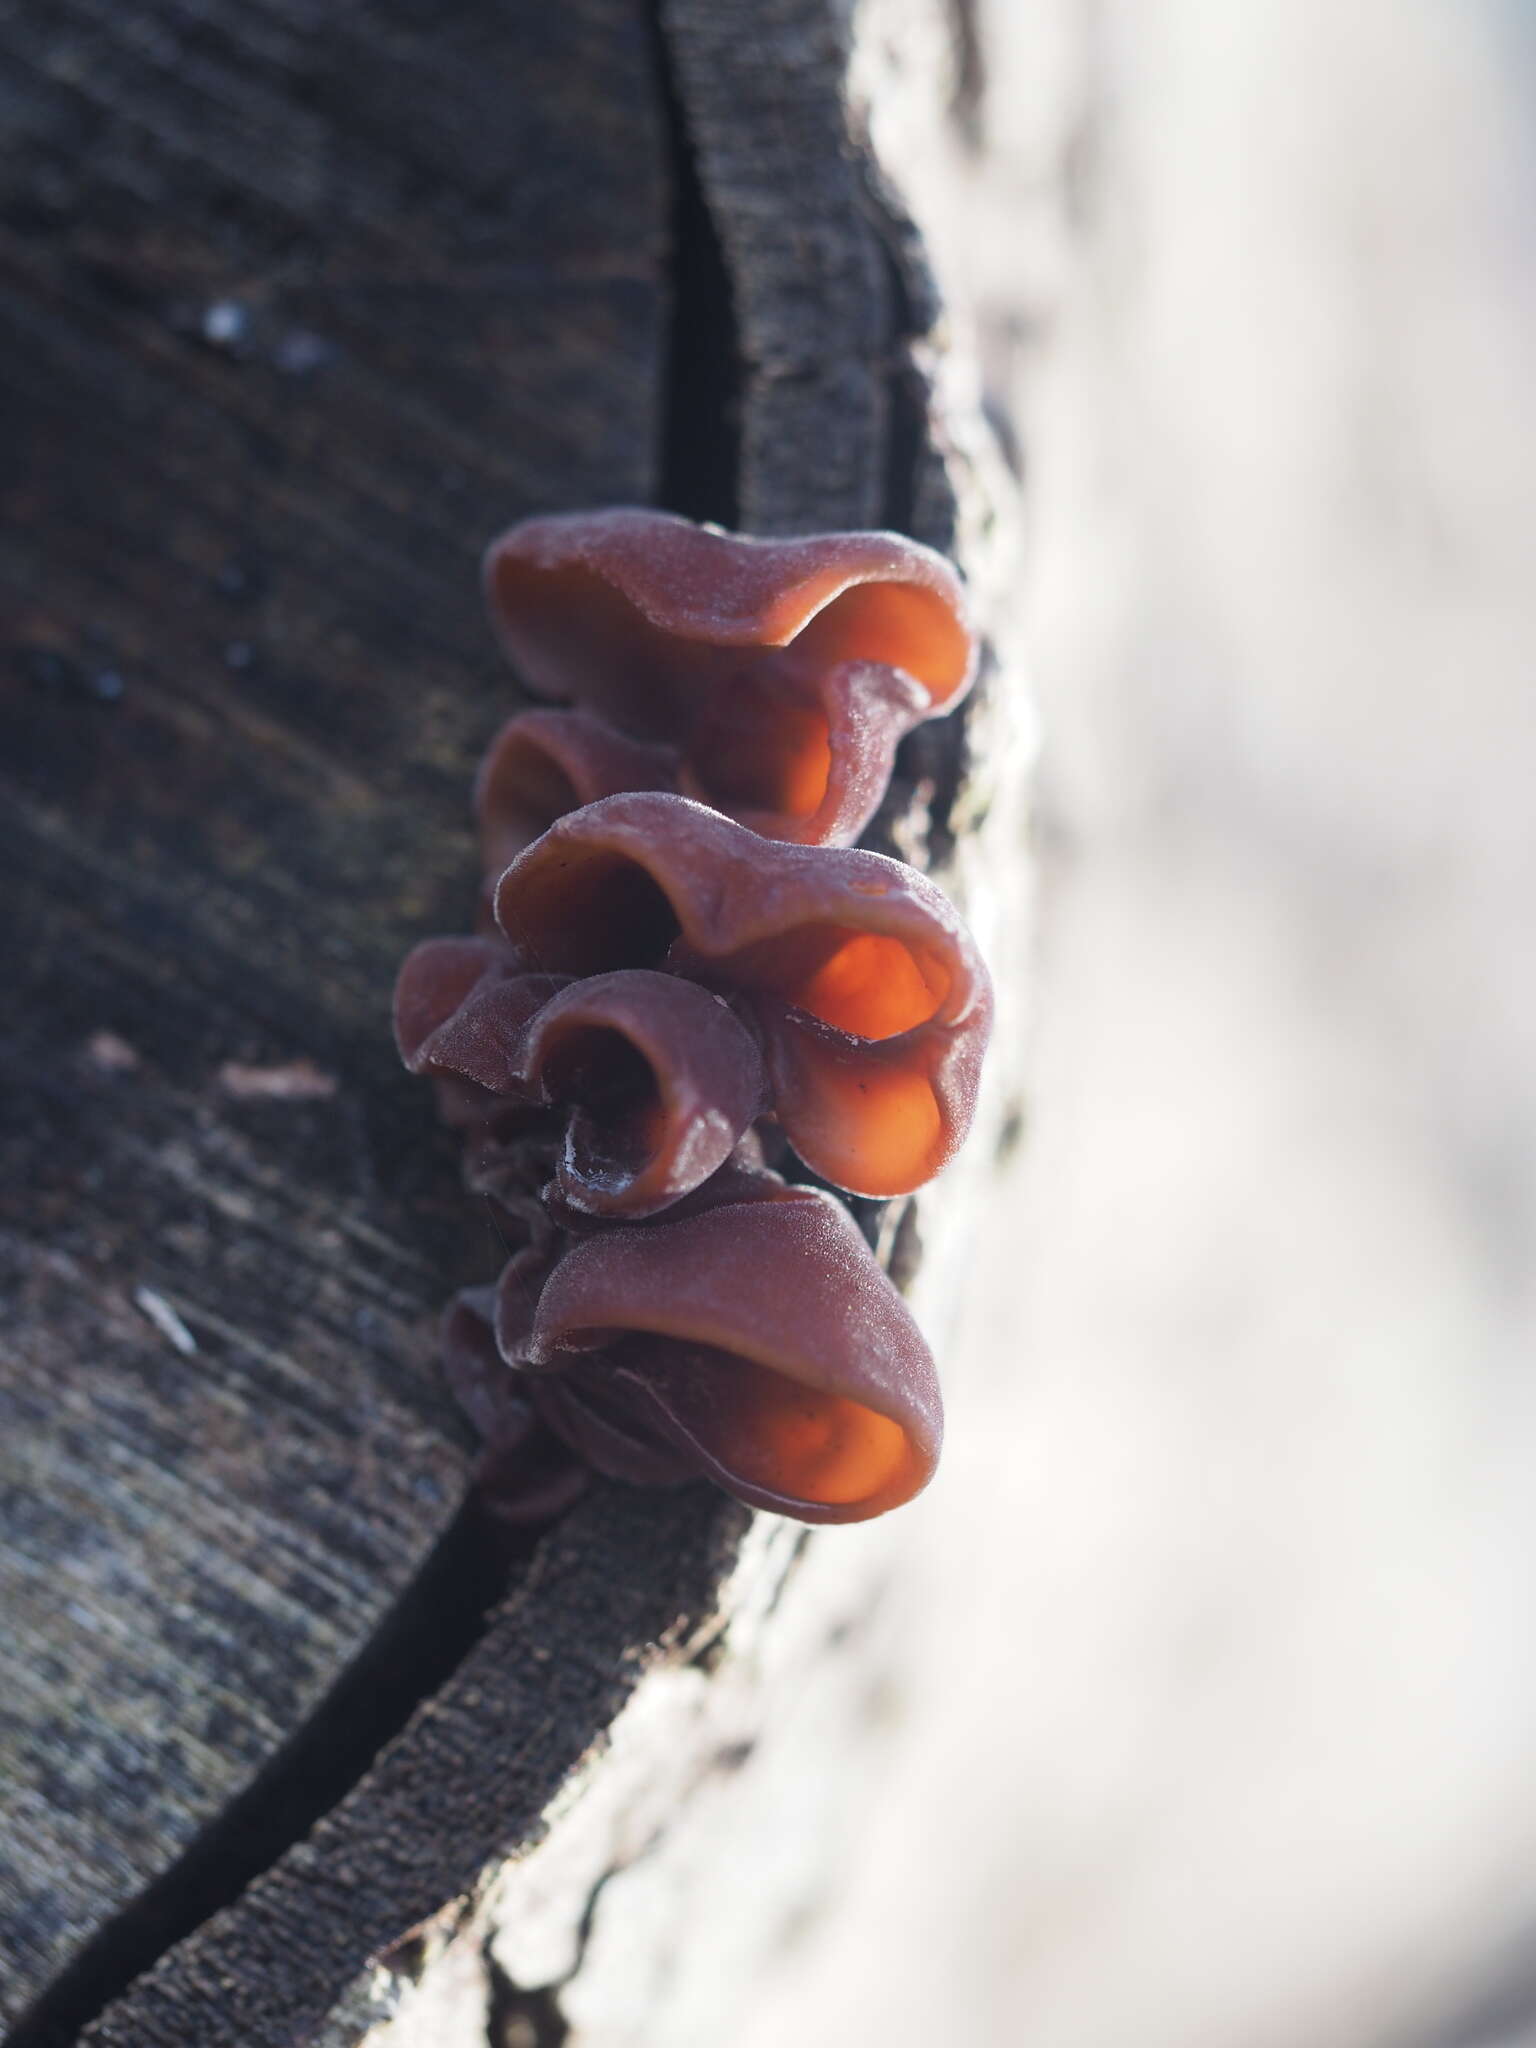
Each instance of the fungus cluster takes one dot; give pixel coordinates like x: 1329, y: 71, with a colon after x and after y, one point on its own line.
x: 685, y: 979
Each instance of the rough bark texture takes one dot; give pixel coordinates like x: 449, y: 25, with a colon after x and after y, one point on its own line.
x: 297, y: 306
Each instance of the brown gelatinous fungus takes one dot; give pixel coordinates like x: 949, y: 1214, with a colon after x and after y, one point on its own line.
x: 689, y: 970
x: 871, y: 1002
x: 654, y: 1079
x: 545, y: 763
x: 462, y: 1007
x: 755, y: 1342
x: 438, y: 977
x: 780, y: 674
x: 662, y: 1080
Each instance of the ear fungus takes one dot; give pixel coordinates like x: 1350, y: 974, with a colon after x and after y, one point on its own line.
x: 757, y: 1343
x: 690, y: 972
x: 462, y: 1007
x: 438, y: 977
x: 662, y: 1079
x: 783, y: 672
x: 545, y: 763
x: 871, y: 1001
x: 656, y: 1078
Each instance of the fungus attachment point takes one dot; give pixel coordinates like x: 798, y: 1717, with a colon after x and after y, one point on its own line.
x: 528, y: 1473
x: 783, y: 672
x: 757, y: 1343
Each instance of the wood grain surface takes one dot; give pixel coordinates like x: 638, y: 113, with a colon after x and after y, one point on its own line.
x: 298, y: 304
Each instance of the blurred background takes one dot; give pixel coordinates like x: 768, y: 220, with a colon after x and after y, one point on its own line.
x: 1232, y: 1743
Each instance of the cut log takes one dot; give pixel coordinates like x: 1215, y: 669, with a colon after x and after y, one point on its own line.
x: 298, y: 306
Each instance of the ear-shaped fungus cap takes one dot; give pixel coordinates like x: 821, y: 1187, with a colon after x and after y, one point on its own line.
x: 656, y: 1078
x: 784, y: 671
x: 872, y: 1002
x: 662, y: 1081
x: 757, y: 1343
x: 545, y: 763
x: 462, y: 1007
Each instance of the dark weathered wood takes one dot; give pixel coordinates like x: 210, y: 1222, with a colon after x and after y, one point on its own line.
x: 815, y: 315
x: 418, y: 288
x: 297, y: 305
x: 629, y: 1580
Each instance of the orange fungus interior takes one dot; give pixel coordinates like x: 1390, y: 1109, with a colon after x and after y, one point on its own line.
x: 785, y: 1438
x: 864, y: 983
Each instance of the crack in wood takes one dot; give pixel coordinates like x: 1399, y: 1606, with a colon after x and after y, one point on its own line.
x: 436, y: 1622
x: 703, y: 376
